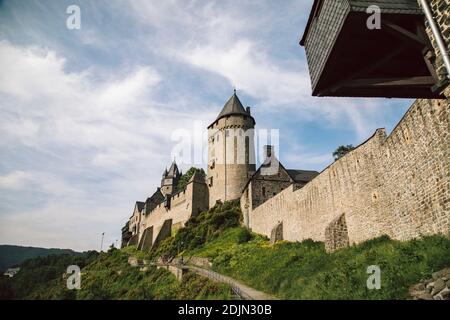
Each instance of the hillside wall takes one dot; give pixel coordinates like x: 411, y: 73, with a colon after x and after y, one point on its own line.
x: 397, y: 185
x: 183, y: 205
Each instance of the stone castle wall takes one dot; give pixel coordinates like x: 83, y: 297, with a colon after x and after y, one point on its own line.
x: 183, y: 205
x: 397, y: 185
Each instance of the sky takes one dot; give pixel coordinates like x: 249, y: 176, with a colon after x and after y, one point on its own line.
x: 89, y: 117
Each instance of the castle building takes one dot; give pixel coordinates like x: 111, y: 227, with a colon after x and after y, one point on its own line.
x: 231, y: 151
x: 395, y: 185
x: 170, y: 179
x: 270, y: 179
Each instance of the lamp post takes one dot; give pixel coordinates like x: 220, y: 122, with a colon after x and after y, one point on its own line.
x: 101, y: 244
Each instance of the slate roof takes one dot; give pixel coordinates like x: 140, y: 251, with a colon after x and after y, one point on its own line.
x: 152, y: 201
x: 386, y: 6
x: 173, y: 170
x: 232, y: 107
x: 327, y: 19
x: 299, y: 176
x: 140, y: 205
x: 302, y: 175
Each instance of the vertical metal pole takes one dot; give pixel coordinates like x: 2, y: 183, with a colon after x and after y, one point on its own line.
x: 437, y: 35
x: 101, y: 244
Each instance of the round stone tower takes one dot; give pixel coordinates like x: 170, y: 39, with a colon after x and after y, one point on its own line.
x: 231, y: 151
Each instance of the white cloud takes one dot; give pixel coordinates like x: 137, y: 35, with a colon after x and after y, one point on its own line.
x: 15, y: 180
x: 101, y: 140
x: 88, y: 137
x: 245, y: 65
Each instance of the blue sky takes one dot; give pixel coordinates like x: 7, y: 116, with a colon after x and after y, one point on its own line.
x: 87, y: 116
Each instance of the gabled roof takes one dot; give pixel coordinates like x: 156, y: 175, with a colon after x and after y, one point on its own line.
x: 232, y: 107
x: 302, y: 175
x: 152, y: 201
x: 139, y: 206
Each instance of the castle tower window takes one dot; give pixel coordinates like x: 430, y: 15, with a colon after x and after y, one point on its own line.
x: 235, y: 150
x: 264, y: 191
x: 247, y: 150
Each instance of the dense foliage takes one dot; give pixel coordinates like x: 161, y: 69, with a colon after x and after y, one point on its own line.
x: 14, y: 255
x: 111, y: 277
x: 342, y: 151
x: 207, y: 226
x: 182, y: 183
x: 105, y: 276
x: 41, y: 278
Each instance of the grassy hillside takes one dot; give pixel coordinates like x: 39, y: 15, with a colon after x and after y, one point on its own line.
x: 13, y: 255
x: 110, y: 277
x: 303, y: 270
x: 105, y: 276
x: 300, y: 270
x: 41, y: 277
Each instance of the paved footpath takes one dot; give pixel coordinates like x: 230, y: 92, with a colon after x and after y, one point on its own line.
x: 240, y: 289
x: 243, y: 291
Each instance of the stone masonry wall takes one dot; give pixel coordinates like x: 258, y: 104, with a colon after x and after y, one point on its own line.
x: 183, y: 205
x: 397, y: 185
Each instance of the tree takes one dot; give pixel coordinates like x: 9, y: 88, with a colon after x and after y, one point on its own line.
x: 182, y: 183
x: 342, y: 151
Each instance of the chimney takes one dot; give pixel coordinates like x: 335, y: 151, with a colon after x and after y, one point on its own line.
x: 248, y: 110
x: 268, y: 151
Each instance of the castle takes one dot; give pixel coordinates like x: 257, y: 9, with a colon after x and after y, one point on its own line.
x: 396, y: 185
x: 231, y: 165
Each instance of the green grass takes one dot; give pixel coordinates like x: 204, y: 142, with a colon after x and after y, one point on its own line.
x: 106, y: 276
x: 110, y: 277
x: 303, y: 270
x: 207, y: 226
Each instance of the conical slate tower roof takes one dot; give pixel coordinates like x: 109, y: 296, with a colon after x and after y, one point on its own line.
x: 173, y: 170
x: 232, y: 107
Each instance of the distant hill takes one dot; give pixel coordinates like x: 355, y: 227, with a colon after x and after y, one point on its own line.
x: 12, y: 255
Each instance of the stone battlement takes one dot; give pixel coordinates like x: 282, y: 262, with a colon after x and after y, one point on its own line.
x: 395, y: 185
